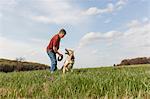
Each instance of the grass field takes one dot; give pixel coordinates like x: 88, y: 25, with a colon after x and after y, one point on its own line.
x: 105, y: 82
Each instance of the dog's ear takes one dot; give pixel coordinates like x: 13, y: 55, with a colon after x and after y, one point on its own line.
x: 67, y: 52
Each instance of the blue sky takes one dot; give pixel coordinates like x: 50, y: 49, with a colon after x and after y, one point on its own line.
x: 102, y: 32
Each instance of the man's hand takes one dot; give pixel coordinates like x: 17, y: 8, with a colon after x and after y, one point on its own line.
x: 57, y: 52
x: 61, y: 55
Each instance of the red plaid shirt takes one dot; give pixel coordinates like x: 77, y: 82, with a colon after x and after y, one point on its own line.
x: 54, y: 42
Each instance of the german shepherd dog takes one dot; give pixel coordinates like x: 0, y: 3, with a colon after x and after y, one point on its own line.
x: 69, y: 62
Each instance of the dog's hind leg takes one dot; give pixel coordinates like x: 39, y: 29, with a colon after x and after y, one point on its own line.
x: 67, y: 69
x: 64, y: 70
x: 62, y: 67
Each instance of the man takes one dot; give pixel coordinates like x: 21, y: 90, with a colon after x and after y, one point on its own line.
x: 53, y: 47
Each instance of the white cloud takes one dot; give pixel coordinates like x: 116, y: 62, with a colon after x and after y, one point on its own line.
x: 95, y: 51
x: 88, y: 57
x: 58, y: 12
x: 145, y: 19
x: 7, y: 4
x: 95, y: 10
x: 109, y: 9
x: 37, y: 40
x: 137, y: 36
x: 107, y: 21
x: 60, y: 19
x: 43, y: 19
x: 12, y: 46
x: 120, y: 4
x: 138, y: 31
x: 1, y: 15
x: 133, y: 24
x: 143, y: 0
x: 93, y: 37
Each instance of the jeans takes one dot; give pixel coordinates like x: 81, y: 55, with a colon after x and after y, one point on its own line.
x: 53, y: 59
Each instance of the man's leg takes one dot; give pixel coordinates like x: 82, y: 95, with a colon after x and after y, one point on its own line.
x: 52, y: 56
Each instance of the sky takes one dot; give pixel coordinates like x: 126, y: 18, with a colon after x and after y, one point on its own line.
x: 101, y: 32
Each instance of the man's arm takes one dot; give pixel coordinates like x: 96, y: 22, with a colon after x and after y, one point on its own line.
x: 56, y: 51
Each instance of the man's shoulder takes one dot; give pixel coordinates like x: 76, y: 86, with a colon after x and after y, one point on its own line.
x: 55, y: 37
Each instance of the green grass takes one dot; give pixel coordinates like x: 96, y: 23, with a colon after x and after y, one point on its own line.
x: 109, y: 82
